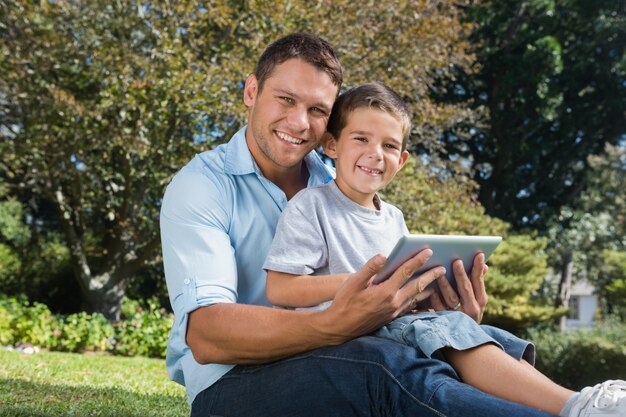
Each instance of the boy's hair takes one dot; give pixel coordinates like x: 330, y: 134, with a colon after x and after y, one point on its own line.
x: 311, y: 49
x: 371, y: 95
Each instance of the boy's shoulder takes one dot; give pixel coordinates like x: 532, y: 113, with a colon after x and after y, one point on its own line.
x: 390, y: 208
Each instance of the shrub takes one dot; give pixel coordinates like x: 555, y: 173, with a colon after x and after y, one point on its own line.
x: 33, y: 323
x: 583, y: 357
x: 85, y: 332
x: 6, y: 332
x: 142, y: 331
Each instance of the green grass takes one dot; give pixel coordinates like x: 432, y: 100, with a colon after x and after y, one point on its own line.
x: 68, y: 384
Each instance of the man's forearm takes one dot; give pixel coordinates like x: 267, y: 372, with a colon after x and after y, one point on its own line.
x: 246, y: 334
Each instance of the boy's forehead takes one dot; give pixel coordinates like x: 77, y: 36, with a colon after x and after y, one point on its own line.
x: 369, y: 120
x: 365, y: 117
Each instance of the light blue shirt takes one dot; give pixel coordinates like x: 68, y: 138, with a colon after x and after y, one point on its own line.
x: 218, y: 218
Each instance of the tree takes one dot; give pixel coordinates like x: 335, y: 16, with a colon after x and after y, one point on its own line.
x: 13, y: 234
x: 102, y: 102
x: 587, y: 238
x: 552, y: 88
x: 100, y: 113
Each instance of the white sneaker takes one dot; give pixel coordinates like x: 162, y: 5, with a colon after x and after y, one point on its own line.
x: 605, y: 399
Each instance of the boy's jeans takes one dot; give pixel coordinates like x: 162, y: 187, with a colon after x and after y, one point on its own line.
x: 368, y: 376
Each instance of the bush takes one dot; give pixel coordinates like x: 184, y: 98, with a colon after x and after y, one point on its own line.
x: 85, y: 332
x: 33, y: 323
x: 584, y: 357
x: 142, y: 331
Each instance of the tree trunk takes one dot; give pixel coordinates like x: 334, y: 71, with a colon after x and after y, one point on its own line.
x: 105, y: 295
x: 565, y: 286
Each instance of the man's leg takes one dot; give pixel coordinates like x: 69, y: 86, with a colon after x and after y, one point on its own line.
x: 365, y: 377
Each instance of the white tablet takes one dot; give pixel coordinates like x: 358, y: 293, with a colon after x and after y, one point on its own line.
x: 446, y: 249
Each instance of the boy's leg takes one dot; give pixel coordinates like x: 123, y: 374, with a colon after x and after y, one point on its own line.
x: 489, y: 369
x: 365, y: 377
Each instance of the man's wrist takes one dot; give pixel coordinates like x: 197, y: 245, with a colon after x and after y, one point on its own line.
x: 325, y: 324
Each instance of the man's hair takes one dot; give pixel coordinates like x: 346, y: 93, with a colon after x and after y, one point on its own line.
x: 311, y: 49
x: 374, y: 96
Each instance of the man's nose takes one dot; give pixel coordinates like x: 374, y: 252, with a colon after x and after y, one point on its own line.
x: 298, y: 119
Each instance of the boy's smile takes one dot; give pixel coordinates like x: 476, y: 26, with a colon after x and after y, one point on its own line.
x: 368, y: 154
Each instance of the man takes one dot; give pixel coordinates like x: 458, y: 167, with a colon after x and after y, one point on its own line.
x: 238, y: 357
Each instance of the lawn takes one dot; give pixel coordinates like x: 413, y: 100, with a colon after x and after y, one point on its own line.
x: 68, y: 384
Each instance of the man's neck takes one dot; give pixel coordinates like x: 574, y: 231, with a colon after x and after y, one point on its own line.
x: 290, y: 180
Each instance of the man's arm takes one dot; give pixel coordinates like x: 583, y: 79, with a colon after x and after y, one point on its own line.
x: 236, y: 333
x: 289, y: 290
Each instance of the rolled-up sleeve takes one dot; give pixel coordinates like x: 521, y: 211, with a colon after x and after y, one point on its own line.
x: 196, y: 247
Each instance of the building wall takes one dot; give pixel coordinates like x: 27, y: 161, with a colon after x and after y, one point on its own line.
x: 583, y: 310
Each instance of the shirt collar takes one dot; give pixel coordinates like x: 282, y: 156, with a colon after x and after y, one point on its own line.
x: 239, y: 161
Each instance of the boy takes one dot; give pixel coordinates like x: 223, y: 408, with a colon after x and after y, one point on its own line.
x: 329, y: 231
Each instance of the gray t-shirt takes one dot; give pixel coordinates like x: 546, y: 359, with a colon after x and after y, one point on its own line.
x: 323, y: 232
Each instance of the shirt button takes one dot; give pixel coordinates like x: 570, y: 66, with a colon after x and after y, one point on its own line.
x: 186, y: 281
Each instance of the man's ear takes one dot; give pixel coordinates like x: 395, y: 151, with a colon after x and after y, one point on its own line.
x: 250, y: 90
x: 329, y: 143
x: 403, y: 158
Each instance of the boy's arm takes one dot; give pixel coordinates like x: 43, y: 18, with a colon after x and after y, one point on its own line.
x: 289, y: 290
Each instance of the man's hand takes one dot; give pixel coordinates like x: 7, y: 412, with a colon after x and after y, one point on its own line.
x: 359, y: 307
x: 471, y: 290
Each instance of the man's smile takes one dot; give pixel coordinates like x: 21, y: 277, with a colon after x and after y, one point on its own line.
x: 287, y: 138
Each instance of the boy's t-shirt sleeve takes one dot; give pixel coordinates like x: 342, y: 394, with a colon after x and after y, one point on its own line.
x: 298, y: 247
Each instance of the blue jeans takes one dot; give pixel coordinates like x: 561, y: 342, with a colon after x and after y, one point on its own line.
x: 368, y: 376
x: 432, y: 331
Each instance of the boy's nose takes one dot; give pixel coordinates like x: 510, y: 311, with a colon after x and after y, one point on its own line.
x: 375, y: 151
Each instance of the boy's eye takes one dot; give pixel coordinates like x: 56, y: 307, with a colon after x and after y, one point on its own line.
x: 390, y: 146
x: 360, y: 138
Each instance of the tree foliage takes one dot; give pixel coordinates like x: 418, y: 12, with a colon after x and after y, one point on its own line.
x: 552, y: 86
x: 593, y: 227
x: 101, y: 102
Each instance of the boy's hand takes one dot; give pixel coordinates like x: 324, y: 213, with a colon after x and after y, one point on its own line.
x: 471, y: 290
x: 360, y: 308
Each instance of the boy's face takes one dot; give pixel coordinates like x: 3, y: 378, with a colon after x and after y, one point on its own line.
x: 288, y: 117
x: 368, y: 154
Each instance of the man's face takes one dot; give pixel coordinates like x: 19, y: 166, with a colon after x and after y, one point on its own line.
x: 367, y: 154
x: 288, y: 117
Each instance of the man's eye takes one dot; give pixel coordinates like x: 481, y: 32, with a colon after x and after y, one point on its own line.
x: 287, y: 100
x: 318, y: 111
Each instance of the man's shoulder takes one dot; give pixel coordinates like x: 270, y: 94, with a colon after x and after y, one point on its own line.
x: 222, y: 162
x: 203, y: 169
x: 202, y: 183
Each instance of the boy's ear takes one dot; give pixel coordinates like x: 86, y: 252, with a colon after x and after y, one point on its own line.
x: 250, y: 90
x: 329, y: 143
x: 403, y: 158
